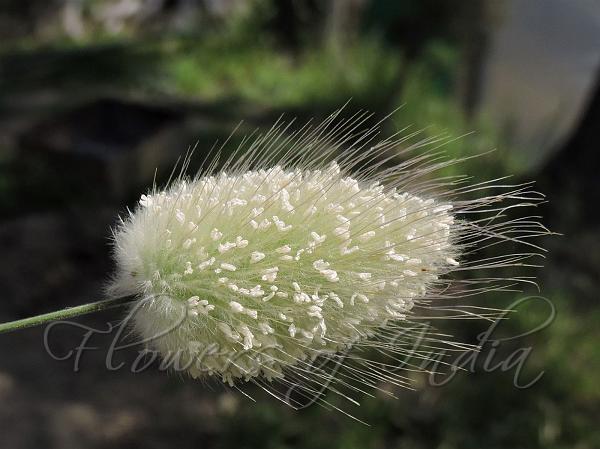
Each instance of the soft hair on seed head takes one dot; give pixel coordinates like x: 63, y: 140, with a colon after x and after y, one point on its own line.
x: 309, y: 246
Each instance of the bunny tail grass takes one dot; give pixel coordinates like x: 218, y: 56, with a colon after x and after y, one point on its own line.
x: 313, y: 259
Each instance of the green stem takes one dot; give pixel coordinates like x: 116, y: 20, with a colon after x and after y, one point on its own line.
x: 65, y: 313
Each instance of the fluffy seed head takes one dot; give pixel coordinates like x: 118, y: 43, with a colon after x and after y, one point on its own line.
x: 257, y: 270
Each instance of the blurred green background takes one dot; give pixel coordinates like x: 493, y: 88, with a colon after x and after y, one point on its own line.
x: 97, y: 94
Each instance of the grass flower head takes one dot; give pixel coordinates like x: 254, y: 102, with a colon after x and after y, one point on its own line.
x: 307, y: 245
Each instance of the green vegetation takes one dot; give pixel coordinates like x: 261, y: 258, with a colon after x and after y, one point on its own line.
x: 261, y: 75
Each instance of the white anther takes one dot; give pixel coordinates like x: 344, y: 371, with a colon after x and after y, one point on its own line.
x: 256, y: 256
x: 320, y: 265
x: 146, y: 201
x: 330, y: 275
x: 264, y: 224
x: 270, y: 274
x: 318, y: 238
x: 228, y: 266
x: 251, y: 313
x: 284, y: 249
x: 367, y: 236
x: 451, y: 261
x: 224, y: 247
x: 236, y: 306
x: 292, y: 330
x: 281, y: 226
x: 207, y: 263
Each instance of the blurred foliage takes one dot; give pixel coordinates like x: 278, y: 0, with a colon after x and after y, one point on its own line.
x: 259, y: 74
x: 428, y: 103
